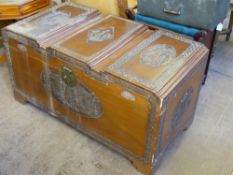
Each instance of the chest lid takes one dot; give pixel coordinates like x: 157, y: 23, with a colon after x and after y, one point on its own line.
x: 98, y: 41
x: 160, y: 59
x: 56, y: 20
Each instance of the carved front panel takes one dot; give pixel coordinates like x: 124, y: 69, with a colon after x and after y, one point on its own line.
x: 105, y: 108
x: 66, y: 88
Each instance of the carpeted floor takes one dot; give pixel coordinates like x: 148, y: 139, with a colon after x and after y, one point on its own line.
x: 33, y: 143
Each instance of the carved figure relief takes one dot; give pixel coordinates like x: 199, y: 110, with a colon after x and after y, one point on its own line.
x: 67, y: 89
x: 182, y: 106
x: 158, y: 55
x: 101, y: 34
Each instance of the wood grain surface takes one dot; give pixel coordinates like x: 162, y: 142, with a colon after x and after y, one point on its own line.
x: 21, y: 9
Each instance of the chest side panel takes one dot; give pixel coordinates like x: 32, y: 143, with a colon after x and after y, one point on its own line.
x: 180, y: 105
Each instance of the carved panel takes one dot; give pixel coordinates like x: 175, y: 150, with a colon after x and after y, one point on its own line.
x: 181, y: 107
x: 47, y: 23
x: 101, y: 34
x: 39, y: 25
x: 67, y: 89
x: 158, y: 55
x: 159, y: 81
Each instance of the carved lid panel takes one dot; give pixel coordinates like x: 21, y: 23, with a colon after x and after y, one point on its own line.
x: 154, y: 61
x: 57, y: 19
x: 97, y: 41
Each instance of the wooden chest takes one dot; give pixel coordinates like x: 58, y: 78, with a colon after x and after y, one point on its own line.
x: 128, y: 87
x: 16, y: 9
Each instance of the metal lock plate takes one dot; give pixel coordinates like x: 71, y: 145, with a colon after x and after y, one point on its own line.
x: 68, y: 76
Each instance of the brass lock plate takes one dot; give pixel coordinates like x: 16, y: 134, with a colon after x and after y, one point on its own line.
x: 68, y: 76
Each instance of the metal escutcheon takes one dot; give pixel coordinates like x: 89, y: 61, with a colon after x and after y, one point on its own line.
x: 68, y: 76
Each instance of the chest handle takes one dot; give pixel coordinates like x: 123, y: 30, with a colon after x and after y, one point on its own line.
x: 173, y: 12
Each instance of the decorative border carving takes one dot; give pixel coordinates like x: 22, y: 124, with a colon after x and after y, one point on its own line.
x: 155, y: 84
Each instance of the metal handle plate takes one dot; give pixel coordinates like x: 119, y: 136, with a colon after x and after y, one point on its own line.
x: 173, y: 12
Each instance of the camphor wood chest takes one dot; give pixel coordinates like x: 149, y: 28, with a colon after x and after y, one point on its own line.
x: 16, y: 9
x: 128, y: 87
